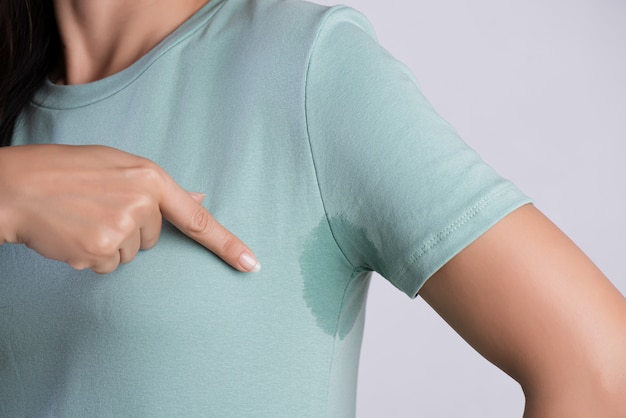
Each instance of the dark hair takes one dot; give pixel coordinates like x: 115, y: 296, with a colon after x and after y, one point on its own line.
x: 29, y: 50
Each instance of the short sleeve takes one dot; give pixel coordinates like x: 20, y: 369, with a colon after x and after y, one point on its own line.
x: 402, y: 192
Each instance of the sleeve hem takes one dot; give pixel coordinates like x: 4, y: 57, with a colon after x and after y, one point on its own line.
x: 424, y: 262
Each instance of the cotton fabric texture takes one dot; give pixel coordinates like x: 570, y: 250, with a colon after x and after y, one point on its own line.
x: 316, y: 148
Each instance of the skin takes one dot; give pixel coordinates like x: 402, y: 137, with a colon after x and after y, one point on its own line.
x: 96, y: 207
x: 117, y: 206
x: 101, y: 38
x: 533, y: 304
x: 522, y: 294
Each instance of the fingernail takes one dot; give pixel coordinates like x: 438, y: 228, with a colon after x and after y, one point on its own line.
x: 198, y: 197
x: 249, y: 263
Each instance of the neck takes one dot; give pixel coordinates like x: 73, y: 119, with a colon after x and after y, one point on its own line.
x: 101, y: 38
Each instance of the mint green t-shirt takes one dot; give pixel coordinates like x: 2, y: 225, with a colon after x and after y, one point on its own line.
x: 316, y: 148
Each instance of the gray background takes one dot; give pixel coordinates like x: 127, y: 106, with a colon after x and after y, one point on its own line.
x: 539, y: 89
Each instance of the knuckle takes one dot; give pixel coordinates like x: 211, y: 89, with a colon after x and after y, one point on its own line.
x: 142, y: 200
x: 200, y: 221
x: 122, y: 225
x: 226, y: 245
x: 150, y: 233
x: 229, y: 245
x: 146, y: 172
x: 148, y: 243
x: 142, y: 207
x: 102, y: 244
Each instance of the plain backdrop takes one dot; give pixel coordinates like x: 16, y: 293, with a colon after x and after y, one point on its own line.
x: 539, y: 89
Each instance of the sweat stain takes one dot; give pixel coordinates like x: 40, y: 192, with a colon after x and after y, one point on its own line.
x: 334, y: 289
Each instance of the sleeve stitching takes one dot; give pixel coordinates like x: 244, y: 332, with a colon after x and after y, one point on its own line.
x: 462, y: 220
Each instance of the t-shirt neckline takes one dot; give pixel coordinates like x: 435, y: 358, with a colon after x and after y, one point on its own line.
x: 58, y: 96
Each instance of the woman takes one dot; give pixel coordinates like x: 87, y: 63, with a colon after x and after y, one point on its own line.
x: 272, y: 109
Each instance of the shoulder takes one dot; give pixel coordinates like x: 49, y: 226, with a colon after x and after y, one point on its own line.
x: 287, y: 24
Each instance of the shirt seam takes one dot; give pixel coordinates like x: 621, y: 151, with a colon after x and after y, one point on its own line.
x: 355, y: 269
x: 355, y: 273
x: 308, y: 132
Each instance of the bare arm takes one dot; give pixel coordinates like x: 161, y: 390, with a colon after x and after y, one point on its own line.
x: 533, y: 304
x: 96, y: 207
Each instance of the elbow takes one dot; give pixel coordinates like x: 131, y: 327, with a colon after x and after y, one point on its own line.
x: 611, y: 387
x: 594, y: 388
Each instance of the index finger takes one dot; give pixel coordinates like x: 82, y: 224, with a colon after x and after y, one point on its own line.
x: 191, y: 218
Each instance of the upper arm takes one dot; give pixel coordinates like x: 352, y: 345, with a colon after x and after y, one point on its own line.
x: 402, y: 192
x: 532, y: 303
